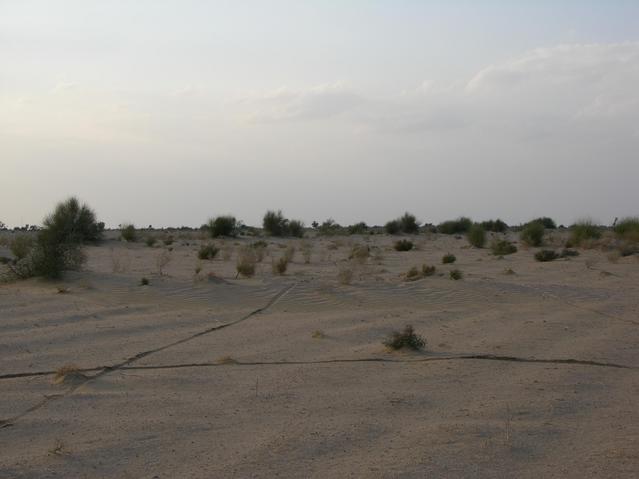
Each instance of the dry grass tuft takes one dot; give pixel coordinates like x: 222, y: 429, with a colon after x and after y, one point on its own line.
x: 318, y: 334
x: 225, y: 360
x: 69, y: 373
x: 246, y: 261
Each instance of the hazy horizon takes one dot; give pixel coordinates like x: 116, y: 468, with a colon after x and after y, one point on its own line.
x: 168, y: 113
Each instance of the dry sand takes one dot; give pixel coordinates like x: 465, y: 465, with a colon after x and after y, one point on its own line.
x: 192, y: 377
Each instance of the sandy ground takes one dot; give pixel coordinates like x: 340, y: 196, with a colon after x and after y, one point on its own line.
x: 528, y: 375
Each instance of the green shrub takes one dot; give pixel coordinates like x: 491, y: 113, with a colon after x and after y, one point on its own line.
x: 428, y: 270
x: 532, y: 234
x: 208, y: 251
x: 223, y: 226
x: 448, y: 258
x: 546, y: 255
x: 392, y: 227
x: 72, y: 222
x: 503, y: 247
x: 548, y: 223
x: 405, y: 339
x: 408, y: 224
x: 476, y: 236
x: 280, y: 266
x: 128, y: 233
x: 582, y: 231
x: 275, y: 224
x: 496, y: 226
x: 455, y: 274
x: 144, y: 282
x: 413, y: 274
x: 21, y: 246
x: 357, y: 229
x: 459, y: 226
x: 628, y: 229
x: 403, y: 245
x: 329, y: 228
x: 296, y: 228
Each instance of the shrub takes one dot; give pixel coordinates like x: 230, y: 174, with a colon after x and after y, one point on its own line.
x: 546, y: 255
x: 21, y: 246
x: 496, y: 226
x: 628, y: 229
x: 584, y: 230
x: 533, y: 234
x: 72, y: 222
x: 280, y: 266
x: 360, y: 253
x: 403, y: 245
x: 144, y: 282
x: 275, y: 224
x: 455, y: 274
x: 222, y: 226
x: 408, y: 224
x: 503, y: 248
x: 329, y: 228
x: 405, y: 339
x: 289, y: 253
x: 168, y: 241
x: 392, y: 227
x: 548, y: 223
x: 128, y: 233
x: 449, y: 258
x: 428, y: 270
x: 150, y: 241
x: 208, y: 251
x: 413, y: 274
x: 357, y: 229
x: 458, y: 226
x: 296, y: 228
x: 246, y: 261
x: 476, y: 236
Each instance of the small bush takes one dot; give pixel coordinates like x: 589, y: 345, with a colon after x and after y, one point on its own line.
x: 296, y: 228
x: 360, y: 253
x: 547, y: 222
x: 21, y: 246
x: 503, y: 248
x: 275, y: 224
x: 246, y: 261
x: 583, y: 231
x: 357, y: 229
x: 546, y: 255
x: 408, y: 224
x: 208, y: 251
x: 428, y: 270
x: 222, y: 226
x: 289, y: 253
x: 533, y: 234
x: 413, y: 274
x: 329, y: 228
x: 628, y: 229
x: 72, y: 222
x: 459, y: 226
x: 405, y: 339
x: 455, y: 274
x: 150, y: 241
x: 496, y: 226
x: 449, y: 258
x: 392, y: 227
x: 476, y: 236
x: 144, y: 282
x: 280, y: 266
x: 128, y: 233
x: 403, y: 245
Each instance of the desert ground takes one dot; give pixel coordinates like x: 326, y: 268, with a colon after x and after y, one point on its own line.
x: 531, y: 370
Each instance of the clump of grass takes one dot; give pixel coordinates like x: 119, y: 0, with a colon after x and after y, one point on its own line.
x: 503, y: 247
x: 449, y: 258
x: 403, y: 245
x: 476, y: 236
x: 428, y: 270
x: 405, y: 339
x: 547, y: 222
x: 222, y: 226
x: 455, y: 274
x: 68, y: 373
x: 459, y: 226
x: 144, y: 282
x: 583, y: 231
x: 280, y: 266
x: 289, y: 253
x: 246, y: 261
x: 318, y: 334
x: 628, y: 229
x: 546, y: 255
x: 413, y: 274
x: 150, y: 241
x: 307, y: 250
x: 360, y: 253
x: 533, y: 233
x: 207, y: 251
x: 128, y: 233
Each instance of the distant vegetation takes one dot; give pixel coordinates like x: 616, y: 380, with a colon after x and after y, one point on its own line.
x: 459, y: 226
x: 223, y: 226
x: 476, y: 236
x: 503, y: 247
x: 583, y: 231
x: 628, y: 229
x: 496, y: 226
x: 275, y: 224
x: 403, y: 245
x: 407, y: 223
x: 128, y: 233
x: 546, y: 255
x: 533, y: 233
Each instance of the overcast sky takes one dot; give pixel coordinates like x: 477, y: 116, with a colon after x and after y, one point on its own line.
x: 169, y: 112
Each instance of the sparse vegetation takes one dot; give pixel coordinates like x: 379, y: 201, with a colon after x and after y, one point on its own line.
x: 392, y: 227
x: 150, y: 241
x: 275, y: 224
x: 567, y: 253
x: 357, y: 229
x: 296, y: 228
x: 476, y: 236
x: 246, y: 261
x: 345, y: 275
x: 413, y: 274
x: 582, y: 231
x: 405, y: 339
x: 318, y: 334
x: 403, y: 245
x: 280, y: 266
x: 449, y: 258
x: 207, y: 251
x: 128, y: 233
x: 548, y: 223
x: 533, y: 233
x: 503, y: 247
x: 546, y: 255
x: 223, y: 226
x: 496, y: 226
x: 628, y: 229
x: 459, y: 226
x: 455, y: 274
x: 360, y: 253
x: 408, y: 224
x: 162, y: 260
x: 428, y: 270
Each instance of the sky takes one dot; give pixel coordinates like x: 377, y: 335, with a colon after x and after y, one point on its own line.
x: 171, y: 112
